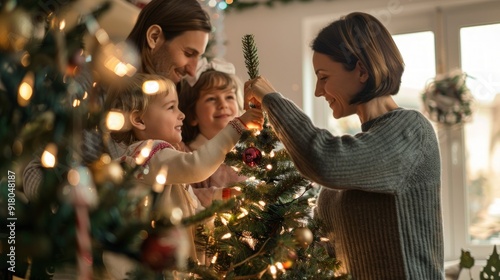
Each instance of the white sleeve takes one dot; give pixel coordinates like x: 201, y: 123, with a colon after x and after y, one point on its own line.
x: 196, y: 166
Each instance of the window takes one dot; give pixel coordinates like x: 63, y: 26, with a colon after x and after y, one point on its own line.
x: 482, y: 135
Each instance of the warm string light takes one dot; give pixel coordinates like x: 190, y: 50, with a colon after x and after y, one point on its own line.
x: 144, y: 153
x: 49, y: 156
x: 25, y: 91
x: 115, y: 120
x: 273, y: 270
x: 244, y: 212
x: 160, y: 180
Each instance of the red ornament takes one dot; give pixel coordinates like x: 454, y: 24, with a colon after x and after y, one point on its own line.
x: 160, y: 251
x: 252, y: 156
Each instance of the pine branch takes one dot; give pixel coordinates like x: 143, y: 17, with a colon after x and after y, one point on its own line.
x: 250, y: 55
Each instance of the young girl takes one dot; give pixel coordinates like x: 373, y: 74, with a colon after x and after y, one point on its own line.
x: 155, y: 125
x: 210, y: 100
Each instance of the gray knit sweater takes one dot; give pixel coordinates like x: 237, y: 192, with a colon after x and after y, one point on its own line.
x: 381, y: 196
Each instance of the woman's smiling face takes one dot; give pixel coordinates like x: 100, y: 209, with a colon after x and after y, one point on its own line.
x: 337, y: 84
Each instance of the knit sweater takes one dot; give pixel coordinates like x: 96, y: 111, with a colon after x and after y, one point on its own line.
x: 381, y: 190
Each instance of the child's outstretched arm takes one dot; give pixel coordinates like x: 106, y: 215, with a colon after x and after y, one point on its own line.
x: 199, y: 165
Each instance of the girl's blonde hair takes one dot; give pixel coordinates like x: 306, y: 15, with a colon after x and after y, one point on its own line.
x: 135, y: 94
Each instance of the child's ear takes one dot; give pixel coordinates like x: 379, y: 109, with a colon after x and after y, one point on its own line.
x: 136, y: 120
x: 193, y: 122
x: 153, y: 35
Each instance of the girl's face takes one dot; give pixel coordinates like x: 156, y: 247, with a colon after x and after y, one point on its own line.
x: 179, y: 57
x: 338, y: 85
x: 163, y: 119
x: 214, y: 109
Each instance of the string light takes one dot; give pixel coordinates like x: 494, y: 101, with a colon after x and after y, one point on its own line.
x: 25, y: 91
x: 226, y: 236
x: 115, y: 120
x: 272, y: 270
x: 244, y: 212
x: 176, y: 216
x: 49, y: 156
x: 214, y: 258
x: 269, y: 166
x: 161, y: 179
x: 62, y: 24
x: 150, y: 87
x: 76, y: 103
x: 144, y: 154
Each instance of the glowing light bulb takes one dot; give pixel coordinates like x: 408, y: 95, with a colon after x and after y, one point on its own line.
x: 144, y: 153
x: 115, y: 120
x: 62, y: 24
x: 214, y: 258
x: 25, y: 91
x: 272, y: 270
x: 226, y: 236
x: 176, y: 215
x: 49, y: 156
x: 76, y: 103
x: 272, y: 154
x: 269, y: 167
x: 150, y: 87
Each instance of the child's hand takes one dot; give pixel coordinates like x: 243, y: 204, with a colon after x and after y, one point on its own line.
x: 253, y: 118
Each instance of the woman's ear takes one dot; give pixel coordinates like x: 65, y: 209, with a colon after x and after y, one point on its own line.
x: 153, y: 35
x: 136, y: 120
x: 363, y: 72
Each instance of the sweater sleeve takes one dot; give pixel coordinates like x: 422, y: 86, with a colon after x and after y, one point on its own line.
x: 185, y: 168
x: 377, y: 160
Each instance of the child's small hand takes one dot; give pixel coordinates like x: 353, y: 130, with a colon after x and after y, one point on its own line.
x: 253, y: 118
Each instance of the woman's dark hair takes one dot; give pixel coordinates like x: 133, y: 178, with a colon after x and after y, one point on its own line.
x: 188, y: 96
x: 361, y: 37
x: 174, y: 17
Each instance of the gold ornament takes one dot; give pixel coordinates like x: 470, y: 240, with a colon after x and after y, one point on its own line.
x: 16, y: 29
x: 303, y: 237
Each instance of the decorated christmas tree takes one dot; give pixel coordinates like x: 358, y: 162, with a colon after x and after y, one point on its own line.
x: 271, y: 233
x: 50, y: 114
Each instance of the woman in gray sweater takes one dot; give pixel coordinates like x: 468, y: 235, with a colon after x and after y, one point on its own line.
x: 381, y: 197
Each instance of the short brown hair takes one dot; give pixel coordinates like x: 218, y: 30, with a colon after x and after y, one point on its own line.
x: 128, y: 96
x: 174, y: 17
x: 361, y: 37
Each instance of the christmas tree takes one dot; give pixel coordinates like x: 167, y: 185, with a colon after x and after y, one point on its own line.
x: 270, y: 234
x: 49, y: 112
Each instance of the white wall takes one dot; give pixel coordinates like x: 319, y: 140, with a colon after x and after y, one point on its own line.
x: 283, y: 43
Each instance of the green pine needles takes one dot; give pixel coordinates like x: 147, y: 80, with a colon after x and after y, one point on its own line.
x: 250, y: 55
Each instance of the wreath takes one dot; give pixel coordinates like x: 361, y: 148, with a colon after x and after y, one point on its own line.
x: 447, y: 99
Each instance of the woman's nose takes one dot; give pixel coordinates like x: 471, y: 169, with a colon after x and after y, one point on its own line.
x: 191, y: 67
x: 182, y: 116
x: 318, y: 91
